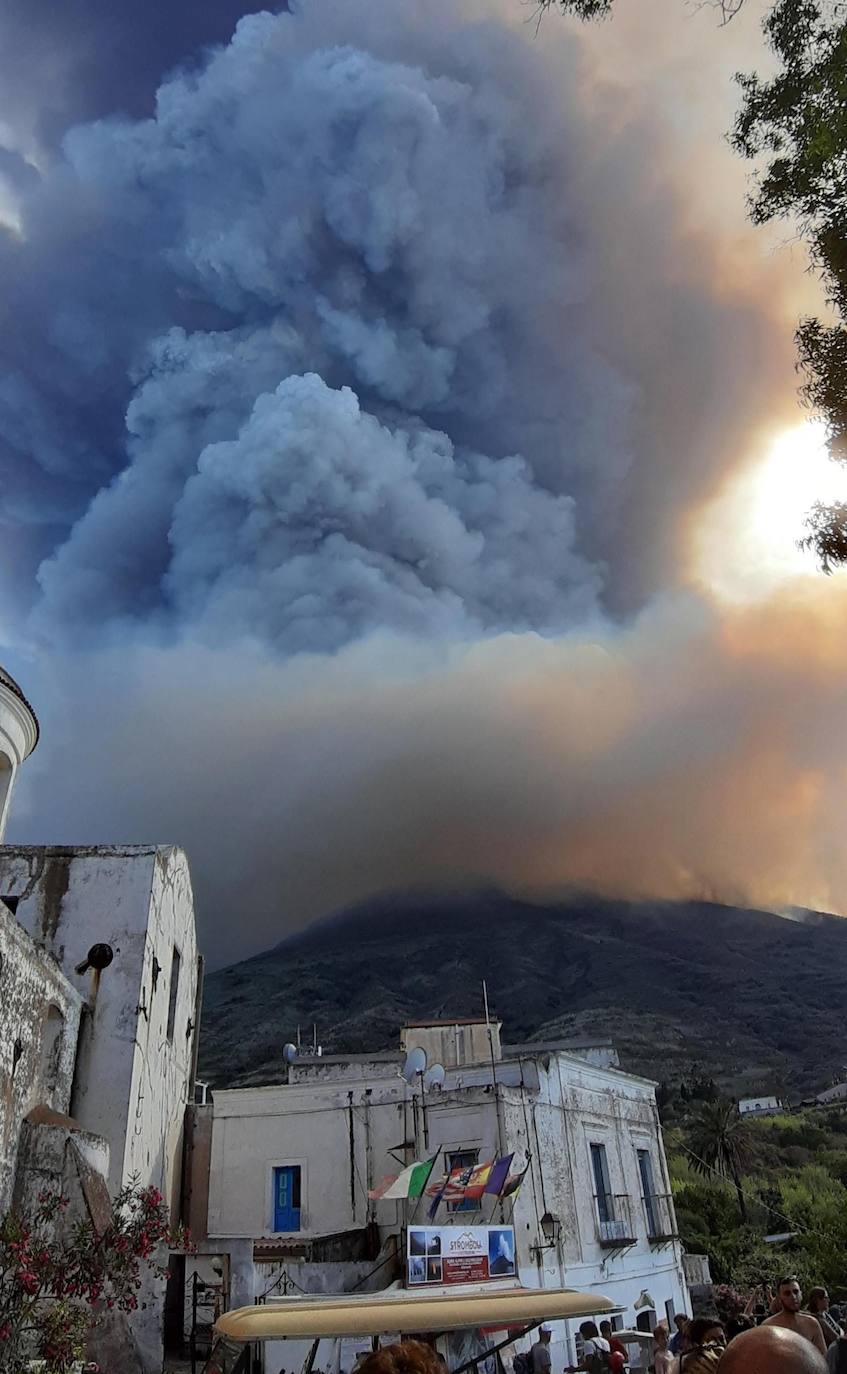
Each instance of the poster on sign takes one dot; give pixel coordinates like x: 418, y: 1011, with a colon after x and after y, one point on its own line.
x: 460, y: 1254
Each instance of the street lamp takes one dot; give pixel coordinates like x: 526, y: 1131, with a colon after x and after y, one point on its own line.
x: 551, y: 1229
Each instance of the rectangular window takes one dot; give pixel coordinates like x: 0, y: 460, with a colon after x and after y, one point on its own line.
x: 174, y: 992
x: 463, y: 1159
x: 670, y: 1313
x: 286, y: 1200
x: 602, y: 1186
x: 648, y: 1191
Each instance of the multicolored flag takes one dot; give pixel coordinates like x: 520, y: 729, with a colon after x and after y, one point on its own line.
x: 514, y: 1181
x: 477, y: 1183
x: 410, y: 1183
x: 498, y: 1175
x: 452, y: 1188
x: 470, y: 1183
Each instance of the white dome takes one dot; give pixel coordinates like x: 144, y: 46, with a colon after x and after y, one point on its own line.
x: 18, y: 738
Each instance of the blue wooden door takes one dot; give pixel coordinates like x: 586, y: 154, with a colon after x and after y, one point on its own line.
x: 287, y: 1198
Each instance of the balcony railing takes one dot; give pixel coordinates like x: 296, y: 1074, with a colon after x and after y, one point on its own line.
x: 661, y: 1219
x: 615, y: 1227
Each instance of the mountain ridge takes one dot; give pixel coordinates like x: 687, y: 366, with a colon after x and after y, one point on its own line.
x: 749, y: 997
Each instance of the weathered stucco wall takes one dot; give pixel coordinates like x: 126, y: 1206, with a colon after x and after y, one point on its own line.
x: 136, y: 1044
x: 164, y: 1039
x: 132, y: 1076
x: 39, y: 1026
x: 68, y: 901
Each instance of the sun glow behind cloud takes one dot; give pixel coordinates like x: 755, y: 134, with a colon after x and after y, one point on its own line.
x: 745, y: 545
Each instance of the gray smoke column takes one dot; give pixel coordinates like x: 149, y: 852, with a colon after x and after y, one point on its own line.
x: 332, y: 290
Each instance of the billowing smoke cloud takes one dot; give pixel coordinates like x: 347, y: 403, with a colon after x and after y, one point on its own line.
x: 399, y: 199
x: 381, y: 223
x: 345, y: 403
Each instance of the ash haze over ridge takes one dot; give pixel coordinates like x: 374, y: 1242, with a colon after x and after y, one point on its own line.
x: 358, y: 406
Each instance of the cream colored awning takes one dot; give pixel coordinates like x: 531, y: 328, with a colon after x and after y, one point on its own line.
x: 407, y: 1312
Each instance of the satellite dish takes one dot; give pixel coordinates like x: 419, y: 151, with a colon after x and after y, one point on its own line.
x: 415, y: 1064
x: 289, y: 1053
x: 434, y: 1077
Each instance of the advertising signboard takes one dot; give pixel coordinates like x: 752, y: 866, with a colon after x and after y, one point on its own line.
x: 459, y: 1254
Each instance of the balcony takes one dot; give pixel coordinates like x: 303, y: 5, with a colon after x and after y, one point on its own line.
x: 661, y: 1218
x: 615, y: 1229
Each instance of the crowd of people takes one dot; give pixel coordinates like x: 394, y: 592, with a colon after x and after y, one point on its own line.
x: 774, y: 1335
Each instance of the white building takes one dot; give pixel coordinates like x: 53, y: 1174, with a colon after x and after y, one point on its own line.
x: 100, y: 986
x: 287, y: 1169
x: 759, y: 1106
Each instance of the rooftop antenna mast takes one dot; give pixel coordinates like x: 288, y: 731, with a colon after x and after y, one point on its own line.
x: 493, y: 1069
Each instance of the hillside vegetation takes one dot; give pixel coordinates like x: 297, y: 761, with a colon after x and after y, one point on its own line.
x: 793, y: 1183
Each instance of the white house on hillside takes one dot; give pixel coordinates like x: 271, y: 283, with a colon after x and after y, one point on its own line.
x: 759, y: 1106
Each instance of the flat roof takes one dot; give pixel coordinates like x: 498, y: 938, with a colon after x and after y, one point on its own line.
x: 424, y: 1024
x: 405, y: 1311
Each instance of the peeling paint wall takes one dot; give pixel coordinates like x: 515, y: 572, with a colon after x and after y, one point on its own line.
x: 165, y: 1031
x: 39, y: 1025
x: 135, y: 1056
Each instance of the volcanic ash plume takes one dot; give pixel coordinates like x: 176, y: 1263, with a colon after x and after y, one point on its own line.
x: 350, y: 398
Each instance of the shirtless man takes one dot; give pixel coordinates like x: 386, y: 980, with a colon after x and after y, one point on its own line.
x: 790, y: 1316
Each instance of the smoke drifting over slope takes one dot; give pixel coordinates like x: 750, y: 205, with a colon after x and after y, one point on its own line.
x: 651, y: 762
x: 386, y: 347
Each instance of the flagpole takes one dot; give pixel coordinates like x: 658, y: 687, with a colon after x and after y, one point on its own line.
x: 423, y: 1194
x: 500, y: 1149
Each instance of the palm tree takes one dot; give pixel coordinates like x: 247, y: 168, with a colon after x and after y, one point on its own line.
x: 719, y: 1142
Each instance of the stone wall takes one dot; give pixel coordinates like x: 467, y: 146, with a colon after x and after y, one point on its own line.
x: 39, y: 1026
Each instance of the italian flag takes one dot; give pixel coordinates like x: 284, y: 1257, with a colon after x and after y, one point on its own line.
x: 411, y: 1183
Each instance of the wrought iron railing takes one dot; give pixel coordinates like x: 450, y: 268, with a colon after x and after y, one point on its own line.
x: 660, y: 1215
x: 614, y: 1219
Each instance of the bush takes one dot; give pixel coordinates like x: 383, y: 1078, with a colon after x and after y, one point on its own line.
x: 55, y: 1277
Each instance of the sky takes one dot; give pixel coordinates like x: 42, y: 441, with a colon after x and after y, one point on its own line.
x: 401, y: 461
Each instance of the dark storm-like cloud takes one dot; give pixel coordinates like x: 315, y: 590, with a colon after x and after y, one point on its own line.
x: 63, y: 64
x: 407, y: 202
x: 304, y: 206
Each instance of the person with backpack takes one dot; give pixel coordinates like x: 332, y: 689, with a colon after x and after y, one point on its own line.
x: 596, y: 1351
x: 539, y: 1355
